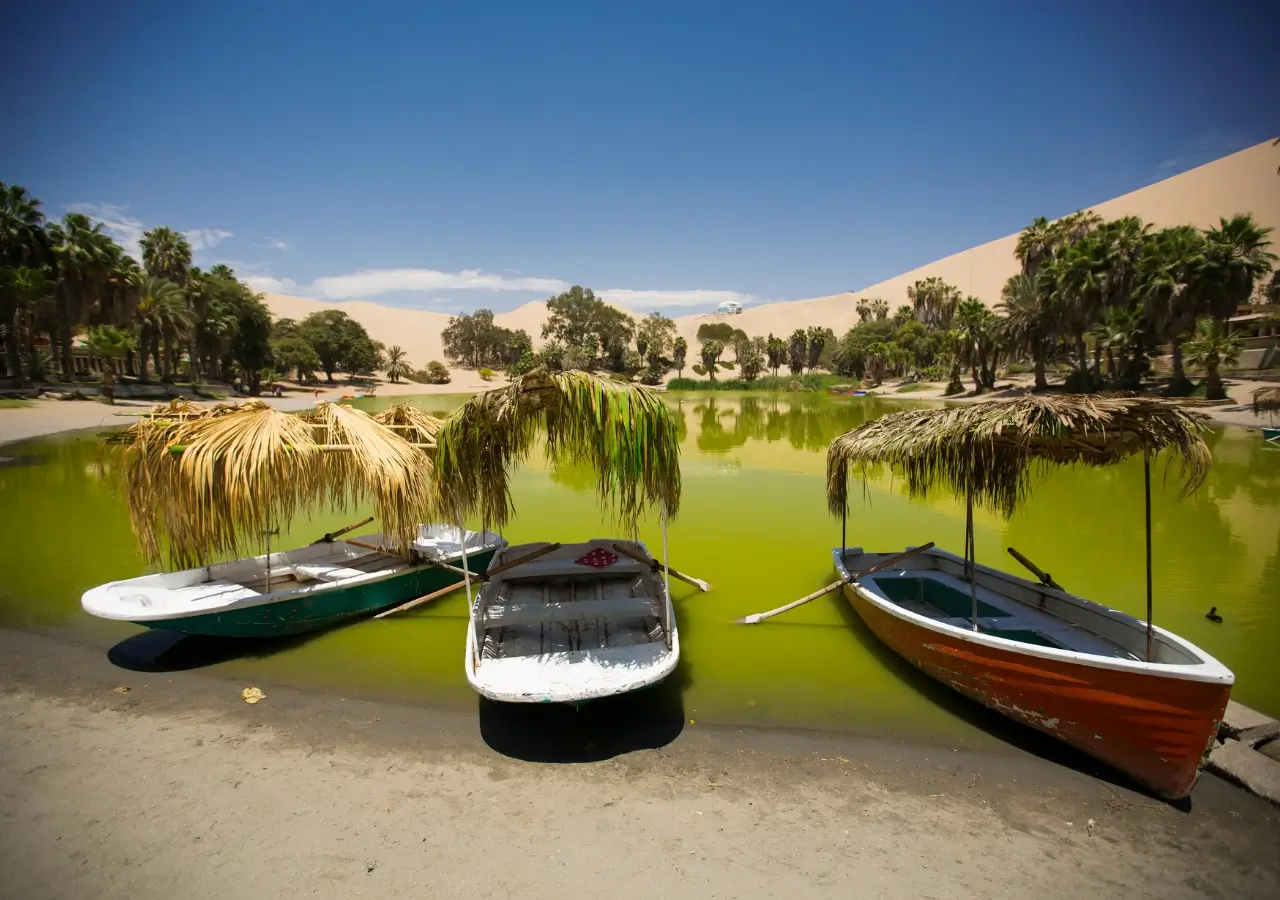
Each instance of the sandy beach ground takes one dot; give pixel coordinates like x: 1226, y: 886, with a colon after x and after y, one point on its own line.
x: 52, y: 416
x: 176, y: 787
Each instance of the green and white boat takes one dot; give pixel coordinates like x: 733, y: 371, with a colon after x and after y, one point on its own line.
x: 294, y: 591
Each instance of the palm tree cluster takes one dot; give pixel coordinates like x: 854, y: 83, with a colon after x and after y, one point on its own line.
x: 1102, y: 297
x: 68, y: 278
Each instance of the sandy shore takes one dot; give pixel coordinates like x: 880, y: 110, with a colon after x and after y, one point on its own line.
x: 1239, y: 412
x: 178, y: 788
x: 52, y: 416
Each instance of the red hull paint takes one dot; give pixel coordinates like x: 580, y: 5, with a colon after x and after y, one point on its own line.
x: 1154, y: 729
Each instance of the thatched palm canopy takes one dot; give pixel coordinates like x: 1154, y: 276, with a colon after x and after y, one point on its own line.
x: 989, y: 450
x: 211, y: 481
x: 624, y: 432
x: 1266, y: 398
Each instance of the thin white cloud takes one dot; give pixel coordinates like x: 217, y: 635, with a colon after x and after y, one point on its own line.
x: 205, y: 238
x: 661, y: 299
x: 371, y: 282
x: 127, y: 231
x: 124, y: 229
x: 270, y: 283
x: 1203, y: 148
x: 276, y: 244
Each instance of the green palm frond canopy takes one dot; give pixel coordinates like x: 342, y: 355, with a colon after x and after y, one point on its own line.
x: 201, y: 482
x: 623, y: 431
x: 990, y: 450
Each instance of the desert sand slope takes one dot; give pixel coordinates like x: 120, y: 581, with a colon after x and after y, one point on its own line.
x: 416, y: 330
x: 1242, y: 182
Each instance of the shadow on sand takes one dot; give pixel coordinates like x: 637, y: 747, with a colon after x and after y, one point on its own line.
x: 601, y: 729
x: 155, y: 650
x: 1013, y: 733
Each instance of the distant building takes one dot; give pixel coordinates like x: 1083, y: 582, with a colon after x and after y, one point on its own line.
x: 729, y: 308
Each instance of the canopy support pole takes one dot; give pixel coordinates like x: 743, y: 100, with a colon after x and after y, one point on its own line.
x: 466, y: 577
x: 844, y: 518
x: 268, y: 534
x: 1146, y: 477
x: 666, y: 572
x: 970, y: 559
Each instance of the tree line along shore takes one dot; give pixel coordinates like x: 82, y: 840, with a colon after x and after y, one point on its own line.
x: 1094, y: 300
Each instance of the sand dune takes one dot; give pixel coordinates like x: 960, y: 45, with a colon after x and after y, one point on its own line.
x: 1239, y: 183
x: 416, y: 330
x: 1242, y: 182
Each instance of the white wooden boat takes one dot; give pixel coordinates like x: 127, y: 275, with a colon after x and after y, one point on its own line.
x: 293, y: 591
x: 576, y: 624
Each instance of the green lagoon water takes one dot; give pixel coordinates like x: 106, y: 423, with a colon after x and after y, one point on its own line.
x: 753, y: 522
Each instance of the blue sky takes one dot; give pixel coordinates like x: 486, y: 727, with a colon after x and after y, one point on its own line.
x: 451, y: 156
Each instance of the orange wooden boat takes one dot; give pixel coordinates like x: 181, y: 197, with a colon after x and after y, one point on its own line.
x: 1066, y: 666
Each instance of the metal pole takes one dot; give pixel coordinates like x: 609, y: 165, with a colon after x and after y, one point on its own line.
x: 844, y: 517
x: 1146, y: 477
x: 666, y: 571
x: 971, y: 558
x: 268, y: 536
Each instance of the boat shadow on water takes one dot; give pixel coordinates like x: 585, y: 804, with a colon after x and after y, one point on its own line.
x: 598, y: 730
x: 1022, y: 737
x: 157, y: 650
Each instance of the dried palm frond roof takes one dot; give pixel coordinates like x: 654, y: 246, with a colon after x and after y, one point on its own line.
x: 989, y: 449
x: 412, y: 423
x: 623, y: 431
x: 1266, y: 398
x: 212, y: 482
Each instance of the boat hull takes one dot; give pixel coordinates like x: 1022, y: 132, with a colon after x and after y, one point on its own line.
x: 317, y: 610
x: 1155, y: 729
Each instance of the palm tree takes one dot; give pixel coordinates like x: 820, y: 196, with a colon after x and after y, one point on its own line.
x: 109, y: 344
x: 1171, y: 283
x: 162, y: 315
x: 83, y: 260
x: 711, y: 351
x: 903, y: 314
x: 679, y: 352
x: 952, y: 347
x: 864, y: 309
x: 21, y: 290
x: 166, y: 254
x: 977, y: 325
x: 1121, y: 334
x: 397, y: 364
x: 23, y: 241
x: 797, y: 349
x: 1028, y: 324
x: 880, y: 308
x: 776, y: 351
x: 1212, y: 347
x: 1035, y: 243
x: 934, y: 302
x: 1237, y: 259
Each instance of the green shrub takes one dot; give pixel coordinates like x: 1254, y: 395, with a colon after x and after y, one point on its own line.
x: 777, y: 384
x: 486, y: 374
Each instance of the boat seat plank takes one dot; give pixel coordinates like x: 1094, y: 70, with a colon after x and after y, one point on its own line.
x: 511, y: 614
x: 327, y: 572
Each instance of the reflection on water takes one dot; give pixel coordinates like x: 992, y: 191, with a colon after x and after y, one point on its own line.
x: 754, y: 524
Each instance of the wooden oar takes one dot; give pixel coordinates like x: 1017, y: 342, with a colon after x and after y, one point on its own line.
x: 367, y: 546
x: 420, y: 600
x: 760, y: 617
x: 478, y: 578
x: 655, y: 565
x: 328, y: 538
x: 1035, y: 570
